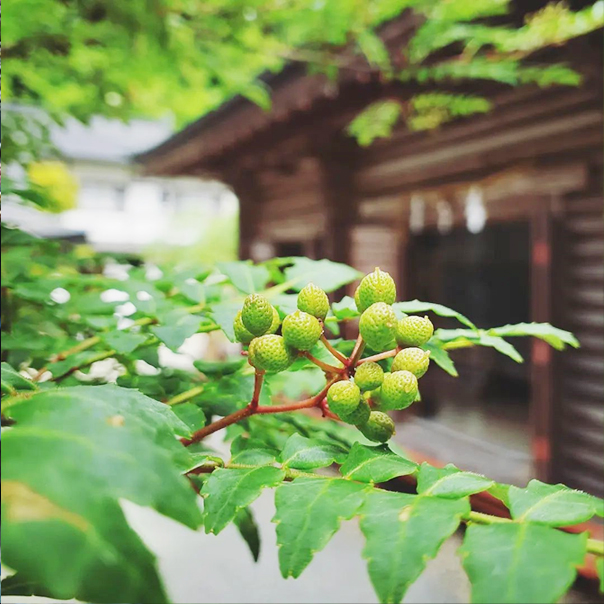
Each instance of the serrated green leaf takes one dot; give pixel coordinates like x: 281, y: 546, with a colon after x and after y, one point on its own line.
x: 450, y: 482
x: 179, y: 326
x: 71, y: 456
x: 416, y: 306
x: 309, y: 511
x: 220, y: 367
x: 402, y: 533
x: 554, y: 505
x: 525, y: 562
x: 228, y: 490
x: 325, y: 274
x: 12, y: 380
x: 124, y: 342
x: 245, y: 276
x: 244, y: 520
x: 441, y: 357
x: 375, y: 464
x: 557, y: 338
x: 305, y: 453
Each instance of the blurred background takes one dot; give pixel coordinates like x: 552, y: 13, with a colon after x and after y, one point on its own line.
x: 473, y: 178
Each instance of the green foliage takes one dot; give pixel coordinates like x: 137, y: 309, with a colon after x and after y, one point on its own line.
x: 501, y: 559
x: 75, y: 445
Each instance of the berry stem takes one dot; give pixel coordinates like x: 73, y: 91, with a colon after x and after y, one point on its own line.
x: 379, y: 357
x: 357, y: 351
x: 324, y: 366
x: 258, y: 379
x: 253, y: 409
x: 336, y: 353
x: 183, y: 397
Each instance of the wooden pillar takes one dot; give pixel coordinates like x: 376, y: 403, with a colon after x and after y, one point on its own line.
x: 541, y: 353
x: 338, y: 162
x: 248, y: 191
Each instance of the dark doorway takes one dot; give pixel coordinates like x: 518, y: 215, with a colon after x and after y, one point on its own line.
x: 485, y: 276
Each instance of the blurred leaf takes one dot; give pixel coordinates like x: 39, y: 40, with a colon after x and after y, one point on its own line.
x: 375, y: 121
x: 245, y: 276
x: 224, y: 314
x: 220, y: 367
x: 12, y: 381
x: 345, y: 309
x: 325, y: 274
x: 124, y: 342
x: 416, y: 306
x: 180, y: 327
x: 109, y: 443
x: 557, y: 338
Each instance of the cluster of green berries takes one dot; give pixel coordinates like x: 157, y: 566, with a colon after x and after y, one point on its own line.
x: 257, y: 322
x: 351, y: 400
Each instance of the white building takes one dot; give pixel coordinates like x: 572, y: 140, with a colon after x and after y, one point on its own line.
x: 118, y: 208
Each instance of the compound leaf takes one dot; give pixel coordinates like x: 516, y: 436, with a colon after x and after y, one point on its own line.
x: 245, y: 276
x: 417, y: 306
x: 325, y: 274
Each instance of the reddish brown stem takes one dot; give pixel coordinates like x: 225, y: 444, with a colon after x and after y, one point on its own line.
x: 258, y: 379
x: 324, y: 366
x: 253, y: 410
x: 357, y: 351
x: 379, y: 357
x: 223, y: 422
x: 326, y: 412
x: 336, y: 353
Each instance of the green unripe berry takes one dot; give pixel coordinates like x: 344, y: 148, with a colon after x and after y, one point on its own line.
x: 414, y: 360
x: 414, y: 331
x: 369, y: 376
x: 343, y: 398
x: 379, y: 427
x: 276, y: 322
x: 357, y: 301
x: 360, y: 415
x: 377, y: 326
x: 398, y: 390
x: 257, y: 314
x: 301, y: 330
x: 375, y: 287
x: 241, y: 333
x: 270, y: 353
x: 314, y: 301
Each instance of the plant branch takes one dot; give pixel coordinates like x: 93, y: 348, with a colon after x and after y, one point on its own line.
x: 379, y: 357
x: 322, y: 365
x: 357, y: 351
x: 94, y: 340
x: 183, y: 397
x: 336, y: 353
x: 252, y: 409
x: 258, y: 379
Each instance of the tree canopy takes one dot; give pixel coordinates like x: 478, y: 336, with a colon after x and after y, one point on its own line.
x: 152, y: 57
